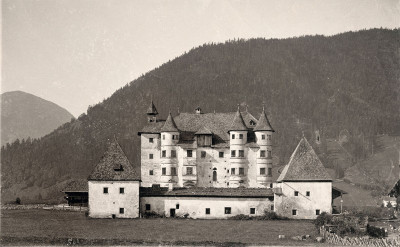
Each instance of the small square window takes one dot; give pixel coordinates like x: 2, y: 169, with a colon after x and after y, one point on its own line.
x: 148, y: 207
x: 173, y: 171
x: 263, y: 137
x: 203, y: 154
x: 221, y: 154
x: 151, y: 140
x: 164, y: 171
x: 269, y: 137
x: 252, y: 210
x: 272, y: 207
x: 173, y: 153
x: 208, y: 211
x: 240, y: 136
x: 262, y: 153
x: 269, y: 172
x: 164, y: 153
x: 233, y: 153
x: 189, y: 153
x: 317, y: 212
x: 177, y: 206
x: 189, y: 170
x: 269, y: 154
x: 241, y: 171
x: 122, y: 190
x: 151, y: 172
x: 151, y: 156
x: 270, y: 185
x: 294, y: 212
x: 227, y: 210
x: 121, y: 210
x: 308, y: 193
x: 296, y: 193
x: 105, y: 190
x: 262, y: 171
x: 241, y: 153
x: 233, y: 171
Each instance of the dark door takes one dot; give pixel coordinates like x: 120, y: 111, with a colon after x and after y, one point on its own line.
x: 172, y: 212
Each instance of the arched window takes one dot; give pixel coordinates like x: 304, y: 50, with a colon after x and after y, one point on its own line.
x: 215, y: 175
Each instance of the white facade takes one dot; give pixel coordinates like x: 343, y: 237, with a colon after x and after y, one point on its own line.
x: 118, y: 199
x: 196, y: 207
x: 308, y: 199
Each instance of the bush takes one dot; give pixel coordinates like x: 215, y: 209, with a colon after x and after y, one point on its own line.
x: 153, y: 214
x: 268, y: 215
x: 376, y: 232
x: 241, y: 217
x: 389, y: 205
x: 18, y: 200
x: 323, y: 219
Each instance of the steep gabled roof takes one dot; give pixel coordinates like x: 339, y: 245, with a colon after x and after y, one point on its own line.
x: 238, y: 122
x: 190, y: 123
x: 152, y: 109
x: 304, y: 165
x: 263, y: 123
x: 203, y: 131
x: 114, y: 166
x: 169, y: 125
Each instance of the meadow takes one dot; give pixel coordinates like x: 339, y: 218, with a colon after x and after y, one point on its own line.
x: 57, y: 227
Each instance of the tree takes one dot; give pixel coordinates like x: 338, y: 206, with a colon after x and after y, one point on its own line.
x: 389, y: 205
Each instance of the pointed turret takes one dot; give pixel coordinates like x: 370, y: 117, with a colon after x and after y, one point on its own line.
x: 263, y: 123
x: 169, y: 125
x: 152, y: 112
x: 238, y: 122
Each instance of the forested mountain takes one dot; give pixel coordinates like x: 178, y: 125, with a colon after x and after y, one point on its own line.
x: 25, y: 115
x: 344, y: 86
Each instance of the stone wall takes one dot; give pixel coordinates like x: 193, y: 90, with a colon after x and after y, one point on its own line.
x: 333, y: 238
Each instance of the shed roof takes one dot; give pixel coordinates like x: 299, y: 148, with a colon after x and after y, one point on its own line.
x: 114, y: 166
x: 203, y: 131
x: 304, y: 165
x: 207, y: 192
x: 76, y: 186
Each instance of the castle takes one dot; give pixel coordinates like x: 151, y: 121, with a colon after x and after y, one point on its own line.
x: 224, y: 150
x: 209, y: 165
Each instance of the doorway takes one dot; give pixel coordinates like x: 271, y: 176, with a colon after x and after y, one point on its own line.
x: 172, y: 212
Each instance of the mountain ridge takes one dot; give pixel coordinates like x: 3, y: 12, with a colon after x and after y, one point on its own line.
x: 26, y: 115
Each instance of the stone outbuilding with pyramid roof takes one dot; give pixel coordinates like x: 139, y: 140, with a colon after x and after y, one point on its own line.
x: 304, y: 188
x: 114, y: 186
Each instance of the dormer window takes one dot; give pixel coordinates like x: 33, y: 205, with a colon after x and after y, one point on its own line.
x: 252, y: 123
x: 118, y: 168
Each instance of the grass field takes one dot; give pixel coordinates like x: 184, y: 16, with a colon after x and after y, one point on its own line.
x: 21, y: 227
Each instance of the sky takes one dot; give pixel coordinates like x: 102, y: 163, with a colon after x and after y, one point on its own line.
x: 76, y: 53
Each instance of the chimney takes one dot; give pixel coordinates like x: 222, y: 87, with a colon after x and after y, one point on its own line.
x: 170, y: 187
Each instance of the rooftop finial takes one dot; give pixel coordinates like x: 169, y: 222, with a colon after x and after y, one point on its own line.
x: 238, y: 105
x: 178, y: 110
x: 247, y: 107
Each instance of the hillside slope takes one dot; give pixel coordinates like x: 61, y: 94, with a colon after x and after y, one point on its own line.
x: 347, y: 83
x: 25, y: 115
